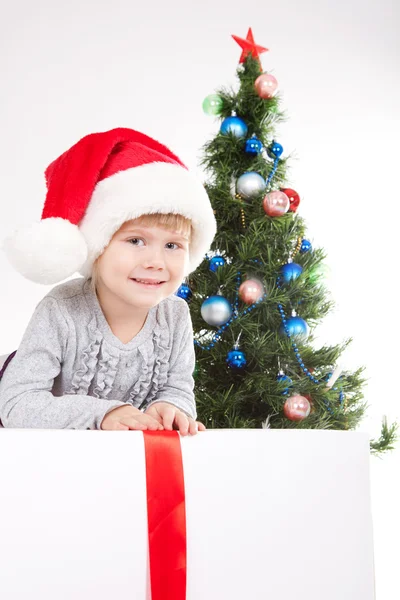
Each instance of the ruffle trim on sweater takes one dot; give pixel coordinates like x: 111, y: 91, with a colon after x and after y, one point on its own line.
x: 83, y: 377
x: 151, y: 380
x: 108, y: 366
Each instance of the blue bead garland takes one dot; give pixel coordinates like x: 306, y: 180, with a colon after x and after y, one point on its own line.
x: 296, y: 350
x: 298, y: 356
x: 270, y: 176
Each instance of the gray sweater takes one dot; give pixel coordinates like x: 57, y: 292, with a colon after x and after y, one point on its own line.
x: 70, y: 369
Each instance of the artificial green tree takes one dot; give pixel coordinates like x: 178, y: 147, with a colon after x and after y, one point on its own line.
x: 256, y: 366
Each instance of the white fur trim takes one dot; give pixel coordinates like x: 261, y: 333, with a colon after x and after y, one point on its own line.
x: 151, y: 188
x: 47, y: 252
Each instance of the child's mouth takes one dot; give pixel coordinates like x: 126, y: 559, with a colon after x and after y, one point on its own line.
x: 148, y: 283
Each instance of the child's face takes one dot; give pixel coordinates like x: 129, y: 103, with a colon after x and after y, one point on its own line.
x: 143, y: 265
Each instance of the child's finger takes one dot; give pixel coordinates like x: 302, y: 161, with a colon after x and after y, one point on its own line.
x: 152, y: 424
x: 193, y: 427
x: 168, y: 417
x: 182, y: 423
x: 134, y: 424
x: 121, y: 426
x: 154, y: 415
x: 201, y: 426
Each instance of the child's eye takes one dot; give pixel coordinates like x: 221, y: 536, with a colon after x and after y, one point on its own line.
x: 136, y: 241
x: 171, y: 245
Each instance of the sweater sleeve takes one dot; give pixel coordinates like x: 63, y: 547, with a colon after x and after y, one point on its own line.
x: 26, y: 399
x: 178, y: 389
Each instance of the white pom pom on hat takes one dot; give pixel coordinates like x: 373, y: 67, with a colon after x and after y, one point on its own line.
x: 102, y: 181
x: 46, y: 251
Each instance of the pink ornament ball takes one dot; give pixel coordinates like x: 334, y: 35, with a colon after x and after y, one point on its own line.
x: 296, y: 408
x: 251, y: 290
x: 276, y: 204
x: 266, y: 86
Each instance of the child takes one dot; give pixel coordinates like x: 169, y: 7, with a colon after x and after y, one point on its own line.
x: 112, y: 349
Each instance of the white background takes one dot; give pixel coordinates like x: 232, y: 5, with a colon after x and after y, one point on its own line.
x: 68, y: 69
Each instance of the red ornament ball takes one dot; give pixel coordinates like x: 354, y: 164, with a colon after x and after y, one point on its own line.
x: 297, y: 408
x: 294, y: 198
x: 276, y: 204
x: 251, y: 290
x: 266, y: 86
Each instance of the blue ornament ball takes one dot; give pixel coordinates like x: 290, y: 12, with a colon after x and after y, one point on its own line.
x: 234, y: 125
x: 305, y: 246
x: 184, y: 292
x: 290, y: 272
x: 236, y: 359
x: 287, y: 380
x: 253, y: 146
x: 275, y: 150
x: 216, y: 262
x: 216, y: 310
x: 297, y: 328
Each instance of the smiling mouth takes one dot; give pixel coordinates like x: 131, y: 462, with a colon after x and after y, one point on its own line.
x: 151, y: 283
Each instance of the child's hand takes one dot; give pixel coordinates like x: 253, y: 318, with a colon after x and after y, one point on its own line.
x: 128, y: 417
x: 173, y: 418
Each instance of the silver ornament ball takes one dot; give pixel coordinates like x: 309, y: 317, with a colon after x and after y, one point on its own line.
x: 250, y: 185
x: 216, y: 310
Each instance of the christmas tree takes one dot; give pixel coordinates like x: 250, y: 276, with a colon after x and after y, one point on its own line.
x: 257, y: 298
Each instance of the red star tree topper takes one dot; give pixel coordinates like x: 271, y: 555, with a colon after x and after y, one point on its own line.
x: 249, y: 46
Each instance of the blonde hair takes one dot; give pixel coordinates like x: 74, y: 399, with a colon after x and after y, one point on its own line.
x: 170, y: 221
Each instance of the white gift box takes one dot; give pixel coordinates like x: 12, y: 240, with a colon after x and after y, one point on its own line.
x: 271, y: 514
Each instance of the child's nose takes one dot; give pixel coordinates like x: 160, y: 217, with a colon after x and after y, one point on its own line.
x: 154, y: 260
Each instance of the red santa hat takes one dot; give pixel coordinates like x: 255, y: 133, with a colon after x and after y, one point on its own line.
x: 104, y: 180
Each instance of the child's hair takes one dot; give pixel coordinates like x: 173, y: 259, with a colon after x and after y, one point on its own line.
x: 169, y: 221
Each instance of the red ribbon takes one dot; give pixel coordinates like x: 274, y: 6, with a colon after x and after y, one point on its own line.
x: 166, y: 515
